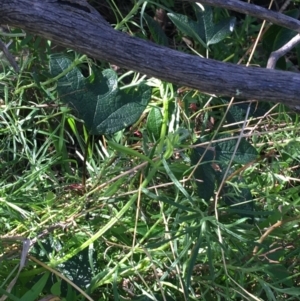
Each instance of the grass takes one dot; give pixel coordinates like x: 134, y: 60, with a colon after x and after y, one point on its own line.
x: 136, y: 228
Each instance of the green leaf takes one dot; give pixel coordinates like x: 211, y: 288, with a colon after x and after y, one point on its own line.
x: 128, y: 151
x: 235, y: 115
x: 207, y: 173
x: 154, y: 122
x: 10, y: 296
x: 175, y: 181
x: 292, y: 150
x: 193, y: 259
x: 187, y: 26
x: 204, y: 174
x: 290, y: 291
x: 114, y: 187
x: 205, y: 23
x: 203, y: 30
x: 79, y: 269
x: 56, y: 288
x: 222, y: 30
x: 269, y: 293
x: 156, y: 31
x: 179, y: 169
x: 167, y: 200
x: 158, y: 297
x: 245, y: 152
x: 276, y: 36
x: 240, y: 200
x: 279, y: 273
x: 36, y: 289
x: 238, y: 196
x: 237, y: 112
x: 104, y: 108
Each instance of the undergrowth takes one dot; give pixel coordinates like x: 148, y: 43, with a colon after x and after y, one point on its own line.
x: 195, y: 199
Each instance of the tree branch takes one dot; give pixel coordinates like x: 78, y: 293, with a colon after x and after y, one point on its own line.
x: 255, y: 11
x: 87, y: 32
x: 277, y: 54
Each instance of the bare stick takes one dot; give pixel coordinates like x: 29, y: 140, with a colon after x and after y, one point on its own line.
x: 277, y: 54
x: 284, y: 5
x: 87, y: 32
x: 256, y: 11
x: 9, y: 57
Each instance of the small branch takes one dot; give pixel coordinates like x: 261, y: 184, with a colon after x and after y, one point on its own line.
x: 284, y: 5
x: 277, y: 54
x: 271, y: 229
x: 255, y: 11
x: 86, y: 31
x: 9, y: 57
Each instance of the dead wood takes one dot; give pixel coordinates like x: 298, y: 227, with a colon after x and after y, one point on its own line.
x: 76, y: 25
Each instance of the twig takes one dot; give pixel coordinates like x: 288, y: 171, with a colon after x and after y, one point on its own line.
x: 9, y: 57
x: 284, y: 5
x: 255, y: 11
x: 277, y: 54
x: 271, y: 229
x: 100, y: 41
x: 60, y: 275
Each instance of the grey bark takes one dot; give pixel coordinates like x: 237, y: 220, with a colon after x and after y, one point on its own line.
x: 75, y: 24
x: 255, y: 11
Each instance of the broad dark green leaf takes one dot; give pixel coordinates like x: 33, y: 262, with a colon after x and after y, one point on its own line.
x: 205, y: 23
x: 154, y: 123
x: 240, y: 200
x: 221, y: 30
x: 156, y: 31
x: 238, y: 111
x: 79, y: 269
x: 278, y: 272
x: 187, y: 26
x: 276, y: 36
x: 36, y: 289
x: 104, y: 108
x: 203, y: 30
x: 204, y: 174
x: 244, y: 154
x: 212, y: 169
